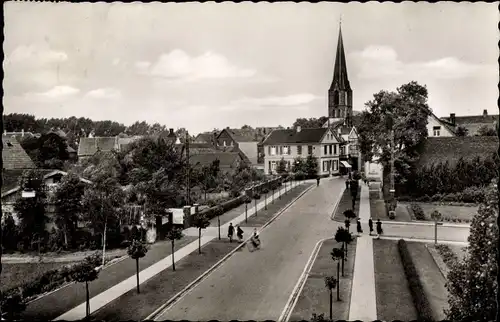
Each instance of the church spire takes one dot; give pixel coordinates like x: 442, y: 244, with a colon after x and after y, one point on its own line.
x: 340, y: 77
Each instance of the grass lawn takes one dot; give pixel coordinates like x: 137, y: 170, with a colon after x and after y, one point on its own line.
x: 159, y: 289
x: 452, y: 212
x: 53, y: 305
x: 15, y: 274
x: 315, y: 297
x: 431, y: 278
x: 394, y: 301
x: 263, y: 216
x: 346, y: 203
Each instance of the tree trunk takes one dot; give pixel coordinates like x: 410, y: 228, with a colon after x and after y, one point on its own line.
x: 173, y: 260
x: 343, y: 261
x: 386, y: 182
x: 331, y: 304
x: 199, y: 240
x: 265, y: 201
x: 273, y: 196
x: 246, y: 211
x: 137, y: 271
x: 255, y: 207
x: 338, y: 280
x: 87, y: 307
x: 65, y: 233
x: 218, y: 224
x: 104, y: 242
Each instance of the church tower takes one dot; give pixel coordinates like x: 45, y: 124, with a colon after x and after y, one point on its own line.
x: 340, y: 93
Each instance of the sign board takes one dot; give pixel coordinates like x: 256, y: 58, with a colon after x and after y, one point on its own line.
x: 178, y: 216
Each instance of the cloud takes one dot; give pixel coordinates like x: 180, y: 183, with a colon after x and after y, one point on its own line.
x: 104, y: 93
x: 378, y: 62
x: 142, y: 66
x: 36, y: 55
x: 179, y: 66
x: 57, y: 92
x: 295, y: 100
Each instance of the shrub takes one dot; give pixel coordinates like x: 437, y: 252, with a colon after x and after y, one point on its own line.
x: 392, y: 215
x: 448, y: 256
x: 451, y: 197
x: 424, y: 198
x: 417, y: 211
x: 436, y: 197
x: 234, y: 193
x: 420, y: 300
x: 473, y: 195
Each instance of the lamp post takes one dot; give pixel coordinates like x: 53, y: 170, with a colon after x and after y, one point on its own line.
x: 436, y: 216
x: 392, y: 191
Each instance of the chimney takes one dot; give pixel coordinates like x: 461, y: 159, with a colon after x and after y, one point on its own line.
x: 485, y: 112
x: 452, y: 118
x: 299, y: 128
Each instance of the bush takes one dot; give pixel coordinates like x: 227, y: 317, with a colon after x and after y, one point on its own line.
x: 417, y: 211
x: 473, y: 195
x: 436, y: 197
x: 420, y: 300
x: 424, y: 198
x: 451, y: 197
x: 449, y: 257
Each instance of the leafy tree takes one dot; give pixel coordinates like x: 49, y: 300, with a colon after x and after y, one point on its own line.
x: 311, y: 166
x: 343, y: 236
x: 85, y: 272
x: 138, y: 128
x: 173, y: 235
x: 282, y: 167
x: 461, y: 131
x: 349, y: 214
x: 311, y: 122
x: 299, y: 168
x: 472, y: 282
x: 330, y: 284
x: 200, y: 221
x: 12, y: 304
x: 68, y: 203
x: 246, y: 200
x: 256, y: 196
x: 338, y: 256
x: 265, y: 191
x: 485, y: 130
x: 16, y: 122
x: 137, y: 250
x: 406, y: 111
x: 32, y: 211
x: 9, y: 234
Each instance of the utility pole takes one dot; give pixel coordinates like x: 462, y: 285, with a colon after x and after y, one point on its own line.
x: 392, y: 191
x: 188, y: 188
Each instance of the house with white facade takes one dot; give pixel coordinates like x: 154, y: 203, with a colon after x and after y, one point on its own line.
x: 289, y: 144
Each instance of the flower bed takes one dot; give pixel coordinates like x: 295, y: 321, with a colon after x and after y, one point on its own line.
x: 452, y: 214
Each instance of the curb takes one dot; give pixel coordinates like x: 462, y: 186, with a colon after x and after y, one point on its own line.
x: 423, y: 240
x: 337, y: 204
x: 434, y: 259
x: 172, y: 301
x: 297, y: 290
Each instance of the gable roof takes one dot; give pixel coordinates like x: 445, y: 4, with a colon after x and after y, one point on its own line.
x: 89, y: 146
x: 439, y: 149
x: 226, y: 159
x: 239, y: 135
x: 204, y: 137
x: 473, y: 119
x: 14, y: 156
x: 293, y: 136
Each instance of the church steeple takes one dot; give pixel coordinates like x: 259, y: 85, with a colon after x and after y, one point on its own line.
x: 340, y: 93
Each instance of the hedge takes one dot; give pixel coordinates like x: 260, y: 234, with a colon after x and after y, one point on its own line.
x: 424, y: 311
x: 418, y: 212
x: 449, y: 257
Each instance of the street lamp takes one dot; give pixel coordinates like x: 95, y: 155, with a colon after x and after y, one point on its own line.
x: 436, y: 216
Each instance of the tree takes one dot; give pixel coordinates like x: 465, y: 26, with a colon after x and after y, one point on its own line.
x: 343, y: 236
x: 68, y: 202
x: 299, y: 168
x: 486, y: 130
x: 349, y: 214
x: 330, y: 284
x: 12, y: 305
x: 173, y: 235
x: 9, y: 234
x: 338, y: 256
x: 472, y: 282
x: 461, y: 131
x: 311, y: 166
x: 265, y: 191
x: 32, y: 211
x: 256, y: 196
x: 246, y: 200
x: 137, y: 250
x: 85, y: 272
x: 200, y: 221
x: 138, y: 128
x: 406, y: 111
x: 310, y: 123
x: 282, y: 167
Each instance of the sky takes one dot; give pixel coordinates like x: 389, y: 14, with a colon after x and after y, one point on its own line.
x: 206, y: 65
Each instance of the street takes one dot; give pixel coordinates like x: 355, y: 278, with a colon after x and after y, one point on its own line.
x: 257, y: 285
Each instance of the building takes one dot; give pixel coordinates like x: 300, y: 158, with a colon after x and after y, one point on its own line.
x: 206, y: 137
x: 341, y: 118
x: 472, y: 122
x: 289, y: 144
x: 227, y: 160
x: 90, y: 145
x: 245, y: 141
x: 436, y: 127
x: 14, y: 157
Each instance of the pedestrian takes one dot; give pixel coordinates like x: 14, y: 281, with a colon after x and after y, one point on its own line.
x: 230, y: 232
x: 358, y: 227
x: 347, y: 183
x: 239, y: 233
x: 254, y: 240
x: 317, y: 181
x: 380, y: 231
x: 370, y: 224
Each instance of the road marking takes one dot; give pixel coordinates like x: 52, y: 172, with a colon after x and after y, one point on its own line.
x: 297, y: 290
x: 188, y: 289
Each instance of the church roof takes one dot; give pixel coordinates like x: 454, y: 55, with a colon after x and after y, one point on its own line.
x: 340, y: 78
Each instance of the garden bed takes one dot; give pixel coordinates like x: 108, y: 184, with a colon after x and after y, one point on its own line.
x: 345, y: 203
x: 394, y: 300
x: 378, y: 211
x: 456, y: 214
x: 431, y: 278
x: 159, y: 289
x: 315, y: 297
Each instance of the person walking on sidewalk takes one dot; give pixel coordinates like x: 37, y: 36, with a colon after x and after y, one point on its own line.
x: 370, y: 224
x: 347, y: 183
x: 317, y: 181
x: 230, y: 232
x: 239, y: 233
x: 380, y: 231
x: 358, y: 227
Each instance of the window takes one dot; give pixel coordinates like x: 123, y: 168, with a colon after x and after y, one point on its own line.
x: 272, y: 150
x: 273, y: 166
x: 335, y: 149
x: 437, y: 130
x: 325, y: 166
x: 309, y: 149
x: 335, y: 165
x: 325, y: 149
x: 336, y: 98
x: 299, y: 149
x: 330, y: 148
x: 224, y: 143
x: 269, y: 169
x: 281, y: 149
x: 286, y: 150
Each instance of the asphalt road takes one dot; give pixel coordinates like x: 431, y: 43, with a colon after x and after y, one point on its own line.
x: 256, y: 285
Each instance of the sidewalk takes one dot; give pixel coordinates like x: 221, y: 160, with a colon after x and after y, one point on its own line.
x: 106, y: 296
x: 363, y: 298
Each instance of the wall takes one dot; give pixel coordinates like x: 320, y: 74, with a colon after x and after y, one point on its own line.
x: 431, y: 122
x: 224, y: 137
x: 250, y: 150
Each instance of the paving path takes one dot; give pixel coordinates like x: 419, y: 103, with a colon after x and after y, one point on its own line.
x: 363, y: 298
x: 257, y: 285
